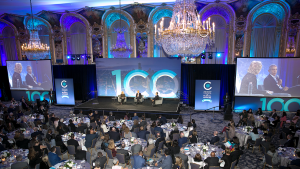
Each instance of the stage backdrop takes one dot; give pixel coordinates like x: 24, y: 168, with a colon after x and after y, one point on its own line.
x: 148, y: 75
x: 207, y: 94
x: 64, y: 92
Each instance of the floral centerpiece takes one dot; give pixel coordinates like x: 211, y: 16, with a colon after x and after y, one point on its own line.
x: 69, y: 134
x: 22, y: 129
x: 248, y: 128
x: 204, y: 148
x: 173, y: 124
x: 5, y: 154
x: 131, y: 139
x: 69, y: 164
x: 122, y: 121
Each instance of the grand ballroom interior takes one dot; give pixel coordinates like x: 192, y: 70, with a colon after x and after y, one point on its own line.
x: 128, y: 84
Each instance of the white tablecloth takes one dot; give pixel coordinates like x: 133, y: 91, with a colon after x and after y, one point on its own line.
x: 78, y: 137
x: 14, y: 152
x: 259, y: 120
x: 286, y: 155
x: 167, y: 128
x: 129, y: 123
x: 244, y: 135
x: 27, y: 134
x: 128, y: 143
x: 85, y: 120
x: 79, y: 164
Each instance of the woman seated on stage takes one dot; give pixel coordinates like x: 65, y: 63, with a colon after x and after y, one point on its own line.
x: 155, y: 98
x: 122, y: 96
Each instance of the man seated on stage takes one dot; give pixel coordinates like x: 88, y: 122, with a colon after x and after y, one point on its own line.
x: 138, y: 97
x: 274, y: 83
x: 155, y: 98
x: 122, y: 96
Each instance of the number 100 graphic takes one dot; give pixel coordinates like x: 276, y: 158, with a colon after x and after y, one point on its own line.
x: 145, y: 75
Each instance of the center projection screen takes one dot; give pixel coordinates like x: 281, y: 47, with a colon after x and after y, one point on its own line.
x: 148, y: 75
x: 268, y: 77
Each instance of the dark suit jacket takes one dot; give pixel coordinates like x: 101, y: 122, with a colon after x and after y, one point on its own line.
x: 30, y: 81
x: 227, y: 159
x: 138, y: 95
x: 89, y: 138
x: 136, y: 148
x: 212, y: 161
x: 249, y: 77
x: 214, y: 139
x: 235, y: 155
x: 125, y: 152
x: 174, y: 150
x: 295, y: 162
x: 102, y: 161
x: 166, y: 162
x: 158, y: 141
x: 19, y: 165
x: 142, y: 134
x: 80, y: 155
x: 23, y: 144
x: 73, y: 127
x: 163, y: 120
x: 2, y: 148
x: 289, y: 143
x: 270, y: 84
x: 53, y: 158
x: 228, y: 99
x: 114, y: 135
x: 14, y: 80
x: 266, y: 145
x: 80, y: 129
x: 143, y: 123
x: 182, y: 141
x: 53, y: 94
x: 157, y: 128
x: 73, y: 142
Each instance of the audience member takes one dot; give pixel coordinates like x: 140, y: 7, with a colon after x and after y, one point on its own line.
x: 290, y: 141
x: 273, y: 114
x: 165, y: 161
x: 53, y: 157
x: 89, y: 138
x: 183, y: 157
x: 178, y: 163
x: 113, y: 134
x: 215, y: 138
x: 111, y: 146
x: 124, y: 152
x: 139, y: 161
x: 142, y: 133
x: 212, y: 160
x: 136, y: 147
x: 227, y: 158
x: 19, y: 164
x: 80, y: 154
x: 194, y: 137
x: 116, y: 164
x: 274, y: 154
x: 162, y: 119
x: 182, y: 140
x: 147, y: 150
x: 44, y: 162
x: 34, y: 157
x: 73, y: 142
x: 135, y: 117
x: 180, y: 119
x: 235, y: 155
x: 72, y: 126
x: 158, y: 140
x: 100, y: 159
x: 104, y: 127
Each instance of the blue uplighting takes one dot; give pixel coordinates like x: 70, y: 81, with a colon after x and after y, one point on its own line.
x: 68, y: 57
x: 219, y: 54
x: 82, y: 56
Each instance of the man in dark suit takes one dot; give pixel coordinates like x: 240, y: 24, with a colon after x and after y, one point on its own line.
x: 296, y: 162
x: 52, y: 96
x: 215, y: 138
x: 80, y: 128
x: 183, y: 157
x: 138, y: 97
x: 273, y: 114
x: 136, y: 147
x: 182, y: 140
x: 73, y: 142
x: 101, y: 159
x: 24, y: 123
x: 139, y: 161
x: 162, y: 119
x: 142, y: 133
x: 165, y: 161
x: 212, y: 160
x: 290, y: 142
x: 72, y: 126
x: 226, y: 100
x: 155, y: 98
x: 19, y: 163
x: 113, y: 134
x: 159, y: 129
x: 125, y: 152
x: 272, y: 82
x: 89, y: 138
x: 31, y: 79
x: 80, y: 154
x: 158, y: 140
x: 143, y: 122
x: 235, y: 155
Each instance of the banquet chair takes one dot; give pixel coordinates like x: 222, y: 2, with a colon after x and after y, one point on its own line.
x: 175, y: 136
x: 152, y: 131
x: 37, y: 166
x: 141, y: 100
x: 94, y: 141
x: 134, y: 134
x: 136, y: 130
x: 120, y: 100
x: 233, y: 164
x: 294, y: 167
x: 159, y: 101
x: 101, y: 131
x: 109, y: 153
x: 283, y: 135
x: 197, y: 166
x: 263, y: 149
x: 269, y: 161
x: 88, y: 157
x: 58, y: 152
x: 94, y: 125
x: 160, y: 147
x: 48, y: 145
x: 71, y: 150
x: 121, y: 158
x: 256, y: 144
x: 282, y: 141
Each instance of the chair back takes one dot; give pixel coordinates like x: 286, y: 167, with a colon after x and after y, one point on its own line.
x: 152, y: 152
x: 37, y: 166
x: 94, y: 125
x: 283, y: 135
x: 195, y: 166
x: 268, y: 159
x: 136, y: 130
x: 58, y: 151
x: 88, y: 157
x: 294, y: 167
x: 134, y: 134
x: 233, y: 164
x: 152, y: 130
x: 109, y: 153
x: 101, y: 130
x: 214, y: 167
x: 121, y: 158
x: 175, y: 136
x: 71, y: 149
x: 160, y: 145
x: 258, y: 141
x: 94, y: 141
x: 263, y: 149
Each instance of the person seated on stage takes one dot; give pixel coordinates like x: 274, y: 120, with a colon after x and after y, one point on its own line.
x: 122, y: 96
x: 155, y: 98
x: 138, y: 97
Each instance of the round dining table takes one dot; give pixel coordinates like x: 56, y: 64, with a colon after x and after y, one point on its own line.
x: 77, y: 136
x: 79, y: 164
x: 7, y: 162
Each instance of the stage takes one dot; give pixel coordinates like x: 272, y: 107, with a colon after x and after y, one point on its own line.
x: 106, y: 104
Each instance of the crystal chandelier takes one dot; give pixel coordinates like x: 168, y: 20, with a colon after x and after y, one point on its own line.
x: 34, y: 49
x: 120, y: 49
x: 186, y: 36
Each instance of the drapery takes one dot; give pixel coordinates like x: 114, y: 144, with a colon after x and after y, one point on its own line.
x: 113, y: 37
x: 9, y: 45
x: 221, y: 43
x: 78, y: 41
x: 263, y: 37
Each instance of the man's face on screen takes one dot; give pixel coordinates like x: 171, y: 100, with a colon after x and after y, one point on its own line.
x: 29, y: 70
x: 273, y: 70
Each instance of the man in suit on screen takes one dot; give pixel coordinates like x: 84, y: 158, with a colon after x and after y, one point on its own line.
x: 31, y: 79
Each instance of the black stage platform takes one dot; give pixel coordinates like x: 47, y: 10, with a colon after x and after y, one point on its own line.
x: 110, y: 104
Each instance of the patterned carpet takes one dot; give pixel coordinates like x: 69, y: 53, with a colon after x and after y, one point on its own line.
x: 205, y: 129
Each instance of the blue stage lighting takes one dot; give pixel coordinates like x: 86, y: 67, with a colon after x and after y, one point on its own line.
x: 68, y: 57
x: 82, y: 56
x: 219, y: 54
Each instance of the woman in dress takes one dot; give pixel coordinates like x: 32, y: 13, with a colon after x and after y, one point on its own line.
x: 111, y: 146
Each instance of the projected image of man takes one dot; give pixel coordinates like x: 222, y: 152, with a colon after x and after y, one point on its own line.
x: 17, y: 79
x: 31, y: 79
x: 274, y: 83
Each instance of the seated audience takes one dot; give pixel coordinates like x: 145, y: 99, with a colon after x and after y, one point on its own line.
x: 127, y: 134
x: 111, y: 146
x: 147, y: 150
x: 142, y: 133
x: 162, y: 119
x: 135, y: 117
x: 100, y: 159
x: 53, y: 157
x: 274, y: 154
x: 212, y: 160
x: 194, y: 137
x: 138, y: 161
x: 73, y: 142
x: 283, y: 119
x: 290, y: 141
x: 183, y: 157
x: 227, y: 158
x: 215, y: 138
x: 136, y: 148
x: 182, y: 140
x: 116, y: 164
x: 72, y: 126
x: 34, y: 157
x: 124, y: 152
x: 89, y: 138
x: 44, y: 163
x: 19, y: 164
x: 104, y: 127
x: 175, y: 131
x: 165, y: 161
x: 178, y: 163
x: 80, y: 154
x: 113, y: 134
x: 254, y: 134
x: 235, y: 155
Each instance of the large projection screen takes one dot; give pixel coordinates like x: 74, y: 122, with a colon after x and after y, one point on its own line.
x: 268, y: 77
x: 148, y: 75
x: 30, y: 75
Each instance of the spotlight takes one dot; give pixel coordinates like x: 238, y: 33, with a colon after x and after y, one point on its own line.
x: 68, y: 57
x: 78, y: 57
x: 202, y: 55
x: 210, y: 55
x: 82, y: 56
x: 73, y: 57
x: 219, y: 55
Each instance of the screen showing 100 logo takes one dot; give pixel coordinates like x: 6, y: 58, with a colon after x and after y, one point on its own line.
x: 285, y: 105
x: 170, y: 91
x: 37, y: 95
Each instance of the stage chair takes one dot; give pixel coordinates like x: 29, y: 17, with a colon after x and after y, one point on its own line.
x: 120, y: 100
x: 159, y: 101
x: 141, y: 100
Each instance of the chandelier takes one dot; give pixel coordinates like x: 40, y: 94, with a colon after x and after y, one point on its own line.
x: 120, y: 49
x: 186, y: 36
x: 34, y: 49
